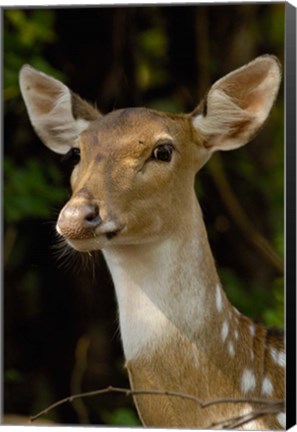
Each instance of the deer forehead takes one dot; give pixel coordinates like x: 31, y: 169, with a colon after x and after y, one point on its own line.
x: 131, y: 132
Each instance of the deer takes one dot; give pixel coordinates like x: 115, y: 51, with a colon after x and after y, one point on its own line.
x: 133, y: 199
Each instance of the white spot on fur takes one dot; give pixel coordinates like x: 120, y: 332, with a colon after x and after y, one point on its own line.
x: 231, y: 349
x: 282, y: 358
x: 252, y: 355
x: 279, y: 357
x: 252, y: 330
x: 236, y: 311
x: 236, y: 334
x: 225, y: 331
x: 281, y: 418
x: 219, y: 302
x: 248, y: 381
x: 267, y: 387
x: 274, y: 354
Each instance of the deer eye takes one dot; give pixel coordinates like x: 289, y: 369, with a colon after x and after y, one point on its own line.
x: 163, y: 153
x: 72, y: 156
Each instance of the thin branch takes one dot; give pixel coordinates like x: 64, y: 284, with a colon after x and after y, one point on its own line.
x: 238, y: 421
x: 129, y: 392
x: 274, y: 408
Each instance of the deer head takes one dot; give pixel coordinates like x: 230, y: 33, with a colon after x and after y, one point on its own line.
x: 135, y: 167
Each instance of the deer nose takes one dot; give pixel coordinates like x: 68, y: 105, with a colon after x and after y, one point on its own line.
x: 78, y: 221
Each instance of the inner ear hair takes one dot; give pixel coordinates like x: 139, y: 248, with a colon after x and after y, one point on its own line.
x: 238, y: 104
x: 223, y: 117
x: 83, y: 109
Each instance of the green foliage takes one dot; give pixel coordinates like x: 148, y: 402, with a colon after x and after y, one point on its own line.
x: 30, y: 191
x: 254, y: 300
x: 274, y: 316
x: 151, y: 58
x: 25, y: 34
x: 121, y: 417
x: 36, y: 29
x: 13, y: 376
x: 274, y: 23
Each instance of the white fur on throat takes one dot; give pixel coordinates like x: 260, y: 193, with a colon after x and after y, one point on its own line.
x: 159, y: 293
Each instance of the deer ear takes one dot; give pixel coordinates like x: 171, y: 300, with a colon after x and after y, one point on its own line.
x: 57, y: 115
x: 238, y: 104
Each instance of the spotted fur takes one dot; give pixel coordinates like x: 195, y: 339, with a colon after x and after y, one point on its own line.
x: 179, y: 331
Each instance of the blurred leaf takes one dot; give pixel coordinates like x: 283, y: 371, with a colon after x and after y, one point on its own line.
x: 36, y: 28
x: 151, y: 56
x: 275, y: 316
x: 168, y: 104
x: 153, y: 42
x: 13, y: 376
x: 275, y: 21
x: 121, y: 417
x: 258, y: 302
x: 30, y: 191
x: 25, y: 34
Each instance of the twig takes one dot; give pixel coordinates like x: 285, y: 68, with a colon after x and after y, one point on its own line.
x: 129, y: 392
x: 238, y: 421
x: 272, y: 409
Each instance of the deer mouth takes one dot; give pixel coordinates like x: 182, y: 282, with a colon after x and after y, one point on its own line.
x: 112, y: 234
x: 99, y: 240
x: 109, y: 229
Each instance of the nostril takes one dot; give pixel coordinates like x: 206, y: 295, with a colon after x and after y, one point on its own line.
x: 92, y: 215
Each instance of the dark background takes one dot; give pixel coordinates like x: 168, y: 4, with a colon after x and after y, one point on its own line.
x: 60, y: 326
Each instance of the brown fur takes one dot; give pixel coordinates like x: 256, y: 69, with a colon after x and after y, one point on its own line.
x: 169, y: 370
x: 148, y: 207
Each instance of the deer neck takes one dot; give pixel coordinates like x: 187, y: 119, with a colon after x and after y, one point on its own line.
x: 180, y: 332
x: 166, y: 288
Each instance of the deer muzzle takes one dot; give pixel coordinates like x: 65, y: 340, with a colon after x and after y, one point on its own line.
x: 79, y: 221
